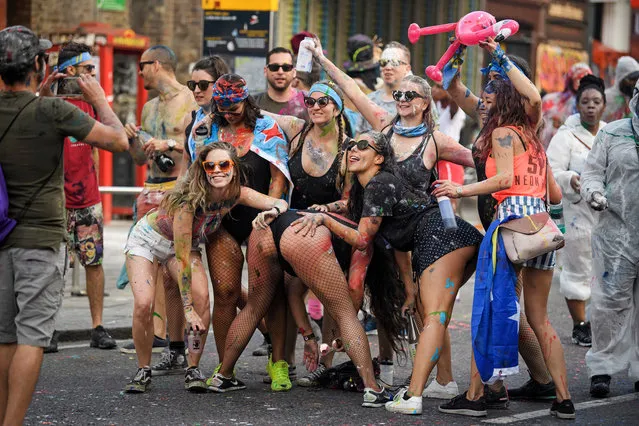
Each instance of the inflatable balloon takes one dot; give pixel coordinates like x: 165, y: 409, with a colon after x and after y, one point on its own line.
x: 470, y: 30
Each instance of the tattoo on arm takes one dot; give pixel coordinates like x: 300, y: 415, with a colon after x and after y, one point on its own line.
x: 506, y: 141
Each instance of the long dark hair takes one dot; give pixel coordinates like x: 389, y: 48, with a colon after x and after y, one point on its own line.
x: 383, y: 283
x: 251, y: 110
x: 214, y: 66
x: 508, y: 109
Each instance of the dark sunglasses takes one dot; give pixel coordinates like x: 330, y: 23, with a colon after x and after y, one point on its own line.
x: 408, y: 96
x: 89, y: 67
x: 229, y: 113
x: 202, y: 84
x: 362, y: 145
x: 224, y: 166
x: 275, y: 67
x: 321, y: 102
x: 391, y: 62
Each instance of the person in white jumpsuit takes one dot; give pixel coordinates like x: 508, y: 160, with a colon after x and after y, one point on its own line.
x: 609, y: 183
x: 567, y: 155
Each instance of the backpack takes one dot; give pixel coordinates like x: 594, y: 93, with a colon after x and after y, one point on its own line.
x: 345, y: 376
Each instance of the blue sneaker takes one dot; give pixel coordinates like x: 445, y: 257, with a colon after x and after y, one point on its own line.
x: 370, y: 325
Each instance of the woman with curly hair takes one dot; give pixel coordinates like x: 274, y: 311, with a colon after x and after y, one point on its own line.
x: 170, y: 235
x: 516, y: 171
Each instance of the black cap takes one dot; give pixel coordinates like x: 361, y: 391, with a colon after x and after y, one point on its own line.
x: 360, y: 53
x: 19, y: 46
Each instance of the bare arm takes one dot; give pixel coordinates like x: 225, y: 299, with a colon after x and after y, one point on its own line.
x: 278, y: 185
x: 291, y: 125
x: 251, y: 198
x: 374, y: 114
x: 463, y: 97
x: 451, y: 150
x: 108, y: 133
x: 136, y: 148
x: 359, y: 238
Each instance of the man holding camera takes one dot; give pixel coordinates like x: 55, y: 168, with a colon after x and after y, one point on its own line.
x: 159, y: 143
x: 84, y: 207
x: 32, y: 132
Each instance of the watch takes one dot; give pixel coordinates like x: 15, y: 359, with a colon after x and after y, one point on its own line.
x: 171, y: 143
x: 459, y: 191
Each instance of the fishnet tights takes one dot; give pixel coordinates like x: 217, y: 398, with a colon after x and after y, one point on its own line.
x: 225, y: 259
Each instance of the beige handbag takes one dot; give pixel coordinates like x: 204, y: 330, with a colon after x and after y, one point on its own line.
x: 531, y: 236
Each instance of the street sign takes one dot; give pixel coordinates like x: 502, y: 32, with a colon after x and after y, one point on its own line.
x: 114, y: 5
x: 236, y: 32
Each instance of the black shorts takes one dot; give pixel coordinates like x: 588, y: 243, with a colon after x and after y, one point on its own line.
x: 341, y: 248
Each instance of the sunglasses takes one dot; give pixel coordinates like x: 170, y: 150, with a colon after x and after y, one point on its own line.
x: 362, y: 145
x: 224, y: 166
x: 143, y: 63
x: 202, y: 84
x: 227, y: 113
x: 275, y: 67
x: 89, y: 67
x: 407, y: 96
x: 391, y: 62
x: 321, y: 102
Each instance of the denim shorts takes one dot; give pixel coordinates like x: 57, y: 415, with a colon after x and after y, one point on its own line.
x: 522, y: 206
x: 31, y: 282
x: 144, y: 241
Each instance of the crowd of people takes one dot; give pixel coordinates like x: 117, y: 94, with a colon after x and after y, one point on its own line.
x: 333, y: 187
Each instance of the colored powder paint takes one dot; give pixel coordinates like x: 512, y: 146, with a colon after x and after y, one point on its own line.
x: 442, y: 318
x: 435, y: 356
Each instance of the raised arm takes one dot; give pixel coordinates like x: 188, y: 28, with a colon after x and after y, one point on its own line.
x: 374, y: 114
x: 463, y: 97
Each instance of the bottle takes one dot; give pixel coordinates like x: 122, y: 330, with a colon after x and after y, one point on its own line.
x: 557, y: 215
x: 448, y: 215
x: 144, y: 137
x: 305, y: 56
x: 195, y: 342
x: 386, y: 371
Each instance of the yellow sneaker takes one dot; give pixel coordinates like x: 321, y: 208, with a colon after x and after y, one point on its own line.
x: 278, y: 372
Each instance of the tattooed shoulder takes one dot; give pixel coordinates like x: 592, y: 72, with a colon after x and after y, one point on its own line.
x: 506, y: 141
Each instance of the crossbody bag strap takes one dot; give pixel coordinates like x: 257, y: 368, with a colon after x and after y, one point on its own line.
x: 16, y: 117
x: 582, y: 142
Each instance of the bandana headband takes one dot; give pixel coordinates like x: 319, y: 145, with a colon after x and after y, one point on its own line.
x: 84, y: 56
x: 226, y: 93
x: 328, y: 91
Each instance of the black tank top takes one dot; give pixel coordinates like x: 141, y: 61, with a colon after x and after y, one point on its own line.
x: 309, y: 190
x: 486, y: 203
x: 416, y: 174
x: 258, y: 177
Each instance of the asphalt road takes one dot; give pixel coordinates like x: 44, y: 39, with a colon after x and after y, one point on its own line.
x: 79, y: 385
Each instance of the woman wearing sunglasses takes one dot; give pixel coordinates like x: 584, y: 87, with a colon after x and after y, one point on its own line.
x: 417, y: 146
x: 170, y: 235
x: 262, y: 150
x: 386, y: 204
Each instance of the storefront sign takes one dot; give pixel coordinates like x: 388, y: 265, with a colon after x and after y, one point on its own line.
x: 236, y: 32
x: 114, y: 5
x: 552, y: 65
x: 566, y: 11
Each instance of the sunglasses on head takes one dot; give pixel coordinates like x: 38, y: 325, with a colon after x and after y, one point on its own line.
x: 391, y: 62
x: 407, y: 96
x: 275, y: 67
x: 362, y: 145
x: 224, y: 166
x: 202, y: 84
x: 321, y: 102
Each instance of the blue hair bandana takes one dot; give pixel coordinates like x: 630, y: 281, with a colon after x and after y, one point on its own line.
x: 84, y: 56
x: 227, y: 93
x: 328, y: 91
x: 495, y: 64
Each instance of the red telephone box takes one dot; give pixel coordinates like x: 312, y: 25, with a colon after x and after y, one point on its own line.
x: 117, y: 53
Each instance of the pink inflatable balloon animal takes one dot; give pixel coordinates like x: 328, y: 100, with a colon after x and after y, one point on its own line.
x: 470, y: 30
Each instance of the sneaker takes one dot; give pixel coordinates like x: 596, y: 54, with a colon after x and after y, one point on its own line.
x: 563, y: 409
x: 279, y: 374
x: 405, y: 404
x: 292, y: 374
x: 376, y: 399
x: 600, y: 385
x: 581, y: 334
x: 100, y: 338
x: 312, y: 380
x: 140, y: 382
x: 461, y: 405
x: 221, y: 384
x: 158, y: 346
x: 194, y: 380
x: 263, y: 350
x: 53, y: 346
x: 496, y: 400
x: 534, y: 390
x: 437, y: 391
x: 171, y: 362
x: 370, y: 325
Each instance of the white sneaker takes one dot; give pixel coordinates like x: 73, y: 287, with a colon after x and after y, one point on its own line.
x: 437, y: 391
x: 412, y: 405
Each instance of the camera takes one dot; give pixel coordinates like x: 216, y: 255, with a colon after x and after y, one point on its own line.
x: 67, y: 87
x: 164, y: 162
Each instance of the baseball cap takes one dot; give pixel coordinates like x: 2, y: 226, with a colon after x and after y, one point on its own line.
x: 19, y: 45
x: 360, y: 53
x: 297, y: 39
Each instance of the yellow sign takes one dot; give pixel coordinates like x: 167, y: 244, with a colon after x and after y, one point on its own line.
x: 553, y: 62
x: 251, y: 5
x: 129, y: 42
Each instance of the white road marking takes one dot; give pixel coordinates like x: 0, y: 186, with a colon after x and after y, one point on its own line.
x: 581, y: 406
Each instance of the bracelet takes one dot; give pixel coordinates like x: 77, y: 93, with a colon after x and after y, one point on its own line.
x: 309, y: 337
x: 279, y: 212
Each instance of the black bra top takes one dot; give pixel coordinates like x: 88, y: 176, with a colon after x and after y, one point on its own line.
x: 416, y: 174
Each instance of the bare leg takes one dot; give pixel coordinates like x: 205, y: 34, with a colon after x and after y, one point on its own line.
x: 23, y: 373
x: 7, y: 352
x: 173, y: 304
x: 95, y: 292
x: 142, y: 276
x: 159, y: 310
x: 577, y: 309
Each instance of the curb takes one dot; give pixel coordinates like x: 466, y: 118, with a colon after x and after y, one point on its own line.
x: 118, y: 333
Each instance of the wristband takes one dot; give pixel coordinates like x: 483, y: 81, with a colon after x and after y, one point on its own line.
x: 279, y: 212
x: 309, y: 337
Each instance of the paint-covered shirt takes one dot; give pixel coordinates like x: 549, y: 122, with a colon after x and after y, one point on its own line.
x: 80, y: 177
x: 294, y: 106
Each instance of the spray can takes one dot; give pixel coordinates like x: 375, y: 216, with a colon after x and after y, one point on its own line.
x: 557, y: 215
x: 305, y: 56
x: 195, y: 341
x: 386, y: 371
x: 448, y: 215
